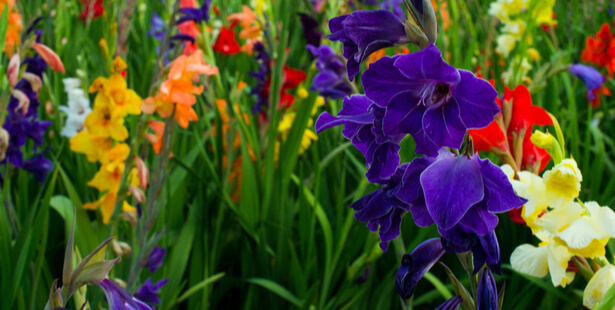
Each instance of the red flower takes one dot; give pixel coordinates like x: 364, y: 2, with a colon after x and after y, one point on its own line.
x: 95, y: 5
x: 499, y: 136
x: 292, y: 79
x: 226, y: 43
x: 515, y: 216
x: 601, y: 49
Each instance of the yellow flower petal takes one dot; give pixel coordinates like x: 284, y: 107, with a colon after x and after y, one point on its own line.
x: 530, y: 260
x: 599, y: 284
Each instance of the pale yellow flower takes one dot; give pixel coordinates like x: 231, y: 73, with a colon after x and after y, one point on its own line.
x: 599, y: 284
x: 563, y: 183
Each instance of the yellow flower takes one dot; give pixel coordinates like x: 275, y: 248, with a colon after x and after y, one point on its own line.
x: 549, y: 143
x: 588, y: 234
x: 93, y: 146
x: 97, y: 85
x: 505, y: 44
x: 104, y: 47
x: 515, y: 28
x: 563, y: 183
x: 107, y: 204
x: 503, y: 9
x: 115, y: 93
x: 302, y: 93
x: 109, y: 177
x: 599, y: 284
x: 543, y: 12
x: 105, y: 121
x: 118, y: 65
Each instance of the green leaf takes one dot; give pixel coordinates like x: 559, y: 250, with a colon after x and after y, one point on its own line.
x: 277, y: 289
x: 200, y: 286
x: 608, y: 301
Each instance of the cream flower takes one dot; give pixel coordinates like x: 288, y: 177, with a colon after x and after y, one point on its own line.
x: 588, y: 235
x: 599, y: 284
x: 505, y: 44
x: 563, y: 183
x: 548, y: 257
x: 532, y: 188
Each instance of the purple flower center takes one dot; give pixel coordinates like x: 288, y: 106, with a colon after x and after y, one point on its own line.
x: 435, y: 93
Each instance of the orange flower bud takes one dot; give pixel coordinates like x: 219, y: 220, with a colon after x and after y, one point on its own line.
x: 13, y: 70
x: 49, y: 56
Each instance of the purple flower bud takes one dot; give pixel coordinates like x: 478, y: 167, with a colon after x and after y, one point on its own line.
x: 591, y: 77
x: 148, y: 292
x: 154, y: 261
x: 487, y: 292
x: 364, y: 32
x: 415, y: 265
x: 451, y: 304
x: 330, y: 81
x: 197, y: 15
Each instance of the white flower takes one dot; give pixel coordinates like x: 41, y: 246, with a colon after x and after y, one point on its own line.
x: 77, y: 108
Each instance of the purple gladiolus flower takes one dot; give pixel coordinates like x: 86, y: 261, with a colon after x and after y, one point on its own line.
x: 461, y: 195
x: 591, y: 77
x: 487, y: 292
x: 364, y: 32
x: 330, y: 81
x: 310, y: 29
x: 362, y: 121
x: 416, y: 264
x: 154, y: 261
x: 429, y: 99
x: 118, y: 298
x: 197, y: 15
x: 260, y: 76
x: 451, y: 304
x: 148, y: 292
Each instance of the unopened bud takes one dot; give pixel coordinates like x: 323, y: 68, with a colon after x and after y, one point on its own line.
x: 34, y: 80
x: 4, y: 142
x: 143, y: 172
x: 24, y: 101
x: 430, y: 25
x: 120, y: 282
x: 130, y: 217
x: 49, y: 56
x: 507, y: 106
x: 549, y: 143
x: 13, y: 70
x: 137, y: 193
x: 118, y: 65
x: 49, y: 108
x: 121, y: 248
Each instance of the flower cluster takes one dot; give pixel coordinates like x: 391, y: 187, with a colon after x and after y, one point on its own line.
x: 420, y: 95
x: 251, y: 31
x: 103, y: 138
x: 177, y: 94
x: 330, y: 81
x: 22, y: 122
x: 516, y: 16
x: 600, y: 49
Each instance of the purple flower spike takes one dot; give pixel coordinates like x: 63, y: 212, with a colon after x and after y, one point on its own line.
x: 148, y: 292
x: 487, y: 292
x: 154, y: 261
x: 311, y: 30
x: 451, y: 304
x: 429, y: 99
x: 364, y: 32
x: 591, y: 77
x: 330, y: 81
x: 416, y: 264
x: 39, y: 166
x: 118, y: 298
x: 362, y: 121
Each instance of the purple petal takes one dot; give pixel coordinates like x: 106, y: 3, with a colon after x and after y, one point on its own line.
x: 427, y: 65
x: 452, y: 185
x: 403, y: 115
x: 451, y: 304
x: 383, y: 160
x: 383, y: 81
x: 590, y: 76
x: 501, y: 197
x: 439, y: 130
x: 476, y: 99
x: 478, y: 220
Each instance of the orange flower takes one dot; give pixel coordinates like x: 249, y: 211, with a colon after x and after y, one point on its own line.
x: 156, y: 138
x: 600, y: 50
x: 178, y: 92
x: 251, y: 31
x: 13, y: 28
x: 375, y: 56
